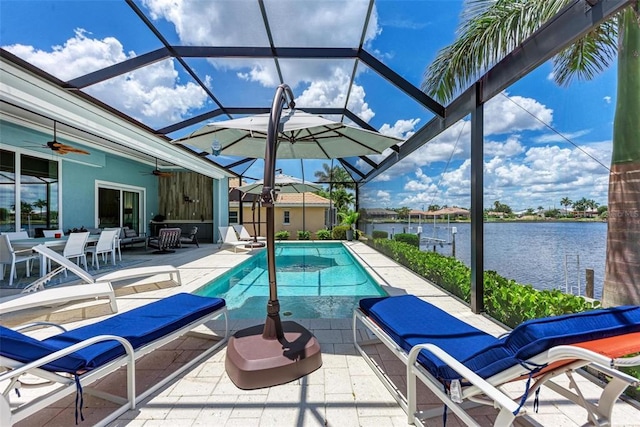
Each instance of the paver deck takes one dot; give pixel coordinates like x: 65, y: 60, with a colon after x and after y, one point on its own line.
x: 343, y: 392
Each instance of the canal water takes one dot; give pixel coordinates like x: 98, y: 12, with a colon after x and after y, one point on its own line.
x: 546, y: 255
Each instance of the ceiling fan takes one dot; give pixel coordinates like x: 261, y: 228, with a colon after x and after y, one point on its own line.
x: 61, y: 148
x: 157, y: 172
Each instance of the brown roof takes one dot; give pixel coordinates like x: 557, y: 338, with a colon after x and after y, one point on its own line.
x: 296, y: 199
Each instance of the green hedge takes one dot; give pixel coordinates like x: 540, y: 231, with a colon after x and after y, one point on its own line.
x: 379, y: 234
x: 411, y: 239
x: 504, y: 299
x: 282, y: 235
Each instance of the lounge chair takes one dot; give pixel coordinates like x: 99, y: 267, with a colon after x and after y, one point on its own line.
x: 36, y: 295
x: 243, y: 234
x: 72, y: 360
x: 191, y: 238
x: 462, y: 365
x: 229, y: 238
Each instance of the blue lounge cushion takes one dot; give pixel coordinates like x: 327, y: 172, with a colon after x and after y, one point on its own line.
x: 410, y: 321
x: 139, y: 326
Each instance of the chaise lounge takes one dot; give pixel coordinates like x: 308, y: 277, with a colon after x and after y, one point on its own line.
x: 463, y: 366
x: 72, y: 360
x: 36, y: 295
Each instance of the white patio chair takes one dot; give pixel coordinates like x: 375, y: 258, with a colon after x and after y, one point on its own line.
x: 52, y: 233
x: 243, y: 234
x: 105, y: 245
x: 10, y: 257
x: 17, y: 235
x: 116, y: 241
x: 76, y: 248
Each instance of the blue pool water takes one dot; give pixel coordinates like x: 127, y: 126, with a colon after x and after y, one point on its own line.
x: 315, y: 280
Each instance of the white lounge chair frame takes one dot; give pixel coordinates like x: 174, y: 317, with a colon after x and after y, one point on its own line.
x: 243, y: 234
x: 229, y: 237
x: 9, y: 416
x: 35, y: 295
x: 487, y: 391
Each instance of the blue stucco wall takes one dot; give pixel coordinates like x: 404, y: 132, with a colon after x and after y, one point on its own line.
x: 78, y: 188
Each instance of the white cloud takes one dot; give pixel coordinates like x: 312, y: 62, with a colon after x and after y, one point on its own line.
x: 562, y: 137
x: 506, y: 114
x: 607, y: 99
x: 151, y: 94
x: 400, y: 129
x: 322, y: 82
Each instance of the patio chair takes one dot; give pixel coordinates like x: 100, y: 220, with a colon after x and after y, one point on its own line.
x: 16, y: 235
x: 243, y: 234
x: 167, y: 238
x: 36, y: 295
x: 117, y: 241
x: 229, y: 238
x: 462, y: 365
x: 75, y: 248
x: 106, y: 244
x: 191, y: 238
x: 8, y: 256
x: 73, y: 360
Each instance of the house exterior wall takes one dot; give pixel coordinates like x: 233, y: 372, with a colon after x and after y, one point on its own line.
x: 313, y: 219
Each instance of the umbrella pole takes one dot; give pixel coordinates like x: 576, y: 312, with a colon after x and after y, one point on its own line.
x: 276, y: 353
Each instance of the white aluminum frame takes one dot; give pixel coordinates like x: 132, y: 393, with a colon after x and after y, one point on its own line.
x: 487, y: 391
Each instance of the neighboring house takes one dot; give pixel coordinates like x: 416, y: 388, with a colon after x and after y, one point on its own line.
x: 293, y: 212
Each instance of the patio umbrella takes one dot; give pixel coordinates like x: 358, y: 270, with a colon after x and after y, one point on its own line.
x: 275, y: 353
x: 300, y: 136
x: 284, y: 184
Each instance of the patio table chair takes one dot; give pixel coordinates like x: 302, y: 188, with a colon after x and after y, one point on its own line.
x: 106, y: 244
x: 463, y: 365
x: 75, y: 248
x: 8, y: 256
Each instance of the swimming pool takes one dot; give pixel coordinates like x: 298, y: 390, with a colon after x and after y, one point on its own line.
x: 315, y: 280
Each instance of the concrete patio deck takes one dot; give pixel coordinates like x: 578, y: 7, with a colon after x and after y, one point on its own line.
x: 343, y: 392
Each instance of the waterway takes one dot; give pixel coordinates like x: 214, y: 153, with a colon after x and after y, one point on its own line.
x: 546, y: 255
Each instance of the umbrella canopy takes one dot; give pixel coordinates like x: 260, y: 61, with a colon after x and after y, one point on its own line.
x: 283, y: 184
x: 300, y: 136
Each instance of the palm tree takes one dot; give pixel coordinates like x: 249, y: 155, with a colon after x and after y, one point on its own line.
x: 493, y: 28
x: 336, y: 175
x: 40, y: 204
x: 566, y: 202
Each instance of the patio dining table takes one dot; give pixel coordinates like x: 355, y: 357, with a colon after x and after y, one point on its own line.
x: 51, y: 242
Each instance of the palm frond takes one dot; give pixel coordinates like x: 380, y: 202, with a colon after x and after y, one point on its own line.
x: 489, y: 30
x: 588, y: 56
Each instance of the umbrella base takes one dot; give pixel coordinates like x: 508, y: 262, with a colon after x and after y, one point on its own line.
x: 256, y: 362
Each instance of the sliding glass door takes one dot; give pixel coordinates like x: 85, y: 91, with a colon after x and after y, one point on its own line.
x: 120, y: 206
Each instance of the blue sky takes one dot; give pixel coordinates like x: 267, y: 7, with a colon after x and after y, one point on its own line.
x: 527, y: 164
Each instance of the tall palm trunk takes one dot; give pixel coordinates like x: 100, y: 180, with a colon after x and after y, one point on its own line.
x: 622, y: 271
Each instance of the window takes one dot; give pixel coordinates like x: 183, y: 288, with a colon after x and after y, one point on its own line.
x: 29, y: 193
x: 233, y: 217
x: 287, y: 217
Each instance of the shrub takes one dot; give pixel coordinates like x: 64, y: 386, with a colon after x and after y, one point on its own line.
x: 379, y: 234
x: 340, y: 232
x: 323, y: 234
x: 504, y: 299
x: 304, y: 235
x: 282, y: 235
x: 411, y: 239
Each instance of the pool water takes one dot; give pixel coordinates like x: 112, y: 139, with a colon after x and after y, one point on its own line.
x: 315, y: 280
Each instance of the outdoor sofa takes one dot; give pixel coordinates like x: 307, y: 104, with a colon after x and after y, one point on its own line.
x: 464, y: 366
